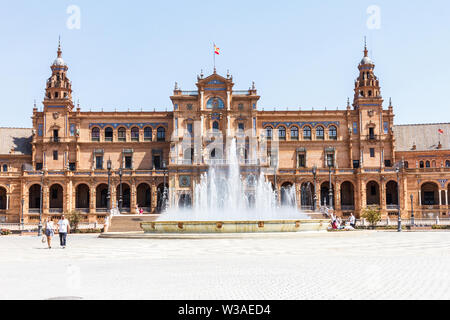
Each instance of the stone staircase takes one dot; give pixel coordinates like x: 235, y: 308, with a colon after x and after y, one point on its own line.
x: 130, y: 223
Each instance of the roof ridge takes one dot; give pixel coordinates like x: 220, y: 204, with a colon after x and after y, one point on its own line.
x: 420, y: 124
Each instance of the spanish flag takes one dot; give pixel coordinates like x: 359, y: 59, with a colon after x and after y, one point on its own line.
x: 216, y: 50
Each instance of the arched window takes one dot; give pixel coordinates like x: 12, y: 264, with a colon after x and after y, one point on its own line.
x: 294, y: 133
x: 406, y: 164
x: 95, y: 135
x: 135, y: 134
x: 319, y: 133
x: 269, y: 133
x: 5, y: 168
x: 421, y: 164
x: 161, y: 134
x: 307, y: 133
x: 108, y: 134
x: 427, y: 164
x: 333, y: 133
x: 215, y: 126
x: 447, y: 164
x: 282, y: 133
x: 148, y: 134
x: 215, y: 103
x: 122, y: 134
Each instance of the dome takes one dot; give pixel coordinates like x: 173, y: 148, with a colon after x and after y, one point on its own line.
x: 366, y: 60
x: 59, y: 62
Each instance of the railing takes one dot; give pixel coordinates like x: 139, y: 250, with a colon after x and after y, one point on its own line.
x: 347, y: 207
x: 392, y: 207
x: 55, y: 210
x: 82, y: 210
x: 241, y: 92
x: 430, y: 207
x: 406, y: 222
x: 307, y: 208
x: 101, y: 210
x: 372, y: 137
x: 189, y: 93
x: 34, y: 210
x: 55, y: 139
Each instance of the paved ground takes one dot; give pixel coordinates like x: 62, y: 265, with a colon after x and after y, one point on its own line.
x: 352, y: 265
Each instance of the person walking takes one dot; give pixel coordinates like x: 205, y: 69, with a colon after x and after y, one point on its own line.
x: 352, y: 221
x: 137, y: 209
x: 49, y: 231
x: 64, y: 229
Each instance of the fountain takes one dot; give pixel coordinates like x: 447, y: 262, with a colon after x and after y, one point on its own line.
x: 224, y: 202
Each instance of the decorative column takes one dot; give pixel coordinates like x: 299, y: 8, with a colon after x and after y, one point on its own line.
x: 420, y: 197
x: 383, y: 195
x: 45, y: 199
x: 133, y: 196
x: 440, y: 197
x: 154, y: 197
x: 337, y: 197
x: 92, y: 199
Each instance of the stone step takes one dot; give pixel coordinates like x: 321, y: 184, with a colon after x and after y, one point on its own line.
x: 129, y: 223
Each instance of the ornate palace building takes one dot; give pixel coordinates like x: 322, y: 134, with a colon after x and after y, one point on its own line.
x: 65, y: 161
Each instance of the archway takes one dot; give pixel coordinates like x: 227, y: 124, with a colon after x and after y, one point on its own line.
x: 185, y: 201
x: 101, y: 196
x: 325, y: 194
x: 307, y: 195
x: 392, y: 193
x: 56, y: 198
x: 126, y: 196
x: 373, y: 193
x: 347, y: 196
x: 82, y: 195
x: 144, y: 197
x: 287, y: 194
x: 2, y: 198
x: 34, y: 197
x: 430, y: 194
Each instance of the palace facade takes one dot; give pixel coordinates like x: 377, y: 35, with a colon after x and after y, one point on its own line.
x: 69, y: 157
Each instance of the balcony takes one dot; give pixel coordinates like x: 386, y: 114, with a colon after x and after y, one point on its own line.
x: 392, y: 207
x: 55, y: 139
x: 372, y: 137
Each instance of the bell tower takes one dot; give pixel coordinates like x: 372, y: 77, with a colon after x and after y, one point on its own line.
x: 58, y: 91
x: 367, y: 85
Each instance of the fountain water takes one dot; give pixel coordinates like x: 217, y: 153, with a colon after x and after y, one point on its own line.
x: 223, y: 194
x: 225, y: 202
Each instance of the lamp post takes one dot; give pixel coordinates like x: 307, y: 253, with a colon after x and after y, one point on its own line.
x: 412, y: 211
x: 108, y: 197
x: 21, y: 219
x: 40, y: 205
x: 164, y: 204
x: 314, y: 172
x: 399, y: 221
x: 330, y: 193
x: 120, y: 190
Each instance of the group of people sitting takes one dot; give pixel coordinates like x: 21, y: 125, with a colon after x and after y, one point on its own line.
x: 338, y: 224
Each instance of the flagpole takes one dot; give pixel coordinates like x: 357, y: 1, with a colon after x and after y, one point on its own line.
x: 214, y: 56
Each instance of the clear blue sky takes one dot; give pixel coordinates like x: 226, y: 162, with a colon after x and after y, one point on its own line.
x: 128, y: 54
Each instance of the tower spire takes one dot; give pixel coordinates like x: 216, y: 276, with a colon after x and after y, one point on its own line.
x: 366, y: 52
x: 59, y: 47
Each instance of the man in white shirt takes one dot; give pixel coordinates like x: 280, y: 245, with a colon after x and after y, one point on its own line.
x: 64, y: 229
x: 352, y: 221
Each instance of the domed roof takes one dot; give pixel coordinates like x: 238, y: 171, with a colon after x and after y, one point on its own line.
x: 59, y: 62
x: 366, y: 60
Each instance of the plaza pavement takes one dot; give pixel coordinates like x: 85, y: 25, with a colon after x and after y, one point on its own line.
x: 347, y: 265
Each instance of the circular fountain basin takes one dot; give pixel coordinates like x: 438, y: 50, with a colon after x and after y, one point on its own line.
x: 200, y: 227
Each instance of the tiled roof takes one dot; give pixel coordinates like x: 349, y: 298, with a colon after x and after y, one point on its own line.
x: 17, y: 139
x: 425, y: 137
